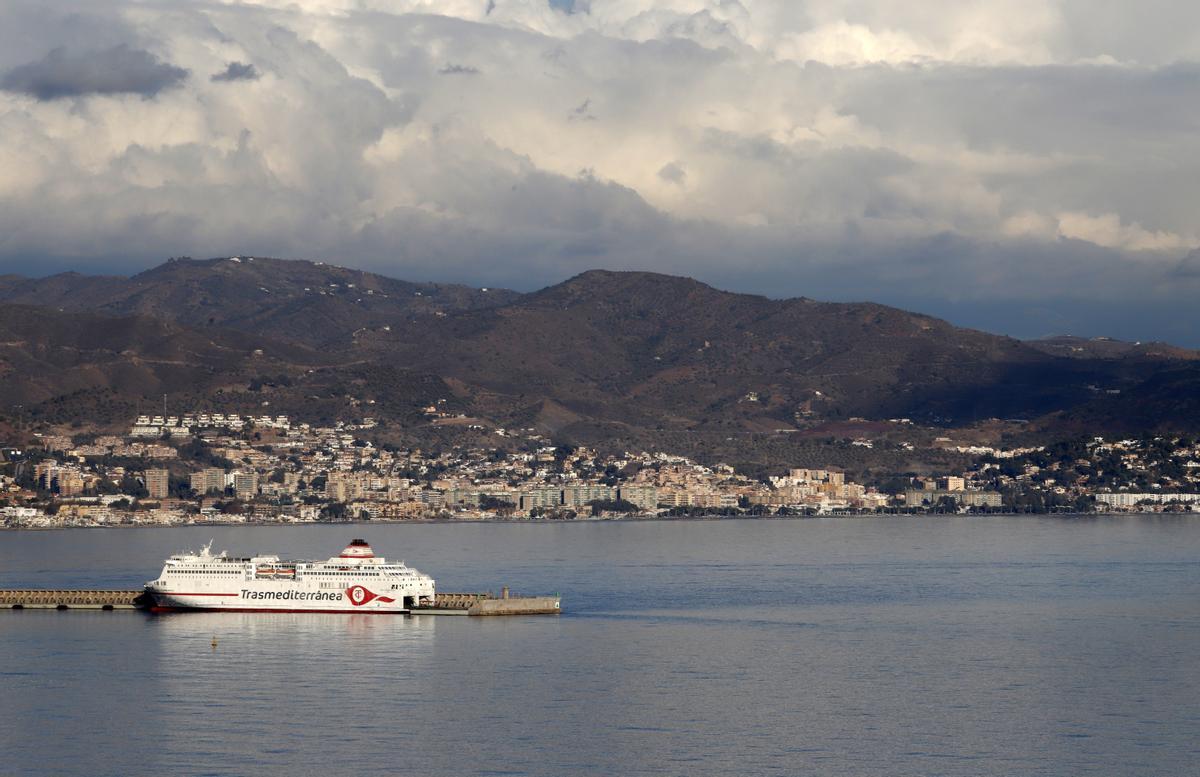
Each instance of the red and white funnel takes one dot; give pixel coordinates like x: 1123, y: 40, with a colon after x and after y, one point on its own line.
x: 357, y: 549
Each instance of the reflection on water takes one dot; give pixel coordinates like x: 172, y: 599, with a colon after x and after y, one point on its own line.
x: 307, y: 630
x: 899, y: 647
x: 276, y: 682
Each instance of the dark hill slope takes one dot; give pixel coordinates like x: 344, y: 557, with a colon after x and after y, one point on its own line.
x: 65, y: 367
x: 1167, y: 401
x: 1108, y: 348
x: 645, y: 348
x: 309, y: 302
x: 46, y: 353
x: 601, y: 351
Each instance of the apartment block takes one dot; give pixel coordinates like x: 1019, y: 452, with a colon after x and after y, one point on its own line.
x: 158, y: 483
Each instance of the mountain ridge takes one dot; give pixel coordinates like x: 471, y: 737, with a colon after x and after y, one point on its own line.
x: 630, y: 350
x: 293, y: 299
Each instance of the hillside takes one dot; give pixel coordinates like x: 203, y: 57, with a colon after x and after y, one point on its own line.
x: 647, y: 349
x: 63, y: 367
x: 309, y: 302
x: 1108, y: 348
x: 46, y: 353
x: 604, y: 356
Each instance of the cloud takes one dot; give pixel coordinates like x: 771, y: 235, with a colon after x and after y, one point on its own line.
x: 1028, y: 152
x: 1107, y: 230
x: 118, y: 70
x: 1188, y: 268
x: 672, y: 172
x: 237, y: 71
x: 582, y: 112
x: 458, y: 70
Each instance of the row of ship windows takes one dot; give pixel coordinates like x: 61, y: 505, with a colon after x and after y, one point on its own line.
x: 358, y: 574
x: 239, y: 572
x: 240, y: 568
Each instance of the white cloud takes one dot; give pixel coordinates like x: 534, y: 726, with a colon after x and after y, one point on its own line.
x: 817, y: 140
x: 1108, y: 230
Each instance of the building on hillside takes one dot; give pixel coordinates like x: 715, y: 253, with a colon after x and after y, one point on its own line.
x: 158, y: 483
x: 696, y: 498
x: 70, y: 483
x: 1126, y: 500
x: 209, y: 481
x: 56, y: 442
x: 45, y: 474
x: 56, y: 478
x: 343, y: 487
x: 645, y: 497
x: 433, y: 499
x: 245, y: 484
x: 914, y: 497
x: 539, y: 497
x: 579, y: 496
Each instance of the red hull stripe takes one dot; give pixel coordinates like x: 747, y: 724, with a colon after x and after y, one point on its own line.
x: 159, y: 608
x: 173, y: 593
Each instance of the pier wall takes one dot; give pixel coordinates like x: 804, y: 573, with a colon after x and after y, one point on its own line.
x: 68, y: 599
x: 519, y: 605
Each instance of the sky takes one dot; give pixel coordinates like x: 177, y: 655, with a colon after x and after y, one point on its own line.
x: 1030, y: 167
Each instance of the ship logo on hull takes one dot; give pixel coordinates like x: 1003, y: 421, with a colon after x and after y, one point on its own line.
x: 360, y: 596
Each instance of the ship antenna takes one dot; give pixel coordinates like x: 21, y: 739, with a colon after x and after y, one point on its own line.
x: 207, y: 549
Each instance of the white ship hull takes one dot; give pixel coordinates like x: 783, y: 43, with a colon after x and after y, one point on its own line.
x: 278, y: 600
x: 355, y: 581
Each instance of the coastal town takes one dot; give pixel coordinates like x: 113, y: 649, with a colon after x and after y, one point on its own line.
x: 227, y: 468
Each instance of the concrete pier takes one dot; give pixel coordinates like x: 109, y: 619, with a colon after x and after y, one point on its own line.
x: 444, y: 604
x: 68, y: 599
x: 487, y: 604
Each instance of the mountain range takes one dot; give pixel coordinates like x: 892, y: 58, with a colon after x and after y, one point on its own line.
x: 603, y: 355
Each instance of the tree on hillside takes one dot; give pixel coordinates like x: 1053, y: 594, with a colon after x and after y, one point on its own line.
x: 334, y: 511
x: 133, y: 486
x: 599, y: 506
x: 198, y: 451
x: 500, y: 506
x: 946, y: 504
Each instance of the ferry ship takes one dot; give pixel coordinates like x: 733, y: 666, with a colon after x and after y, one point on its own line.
x: 356, y: 580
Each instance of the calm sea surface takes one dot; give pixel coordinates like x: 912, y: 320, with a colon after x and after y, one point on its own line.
x: 930, y: 646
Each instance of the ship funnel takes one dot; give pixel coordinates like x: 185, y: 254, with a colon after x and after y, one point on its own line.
x: 357, y: 549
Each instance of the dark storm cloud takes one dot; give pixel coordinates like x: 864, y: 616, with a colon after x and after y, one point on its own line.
x: 237, y: 71
x: 118, y: 70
